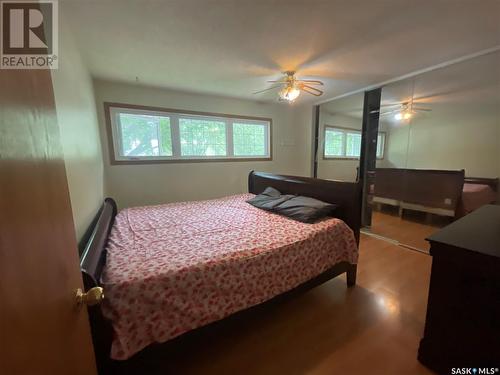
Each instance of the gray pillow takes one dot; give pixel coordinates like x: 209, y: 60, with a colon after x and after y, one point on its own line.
x: 269, y: 199
x: 305, y: 209
x: 300, y: 208
x: 271, y: 192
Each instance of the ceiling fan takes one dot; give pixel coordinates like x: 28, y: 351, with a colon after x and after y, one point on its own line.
x: 291, y: 87
x: 404, y: 110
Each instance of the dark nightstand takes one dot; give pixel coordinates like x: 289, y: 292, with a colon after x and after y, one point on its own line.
x: 462, y: 327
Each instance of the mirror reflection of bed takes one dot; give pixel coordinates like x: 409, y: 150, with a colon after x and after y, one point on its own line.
x: 436, y: 149
x: 441, y: 162
x: 411, y: 204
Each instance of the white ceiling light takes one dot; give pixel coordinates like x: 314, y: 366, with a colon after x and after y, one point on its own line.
x: 404, y: 115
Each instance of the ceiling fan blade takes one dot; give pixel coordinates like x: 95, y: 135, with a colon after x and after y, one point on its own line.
x: 391, y: 105
x: 422, y: 109
x: 311, y: 90
x: 269, y: 88
x: 389, y: 112
x: 310, y: 82
x: 274, y: 81
x: 386, y: 114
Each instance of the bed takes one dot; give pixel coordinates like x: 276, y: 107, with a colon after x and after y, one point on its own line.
x: 170, y: 269
x: 440, y: 192
x: 477, y: 192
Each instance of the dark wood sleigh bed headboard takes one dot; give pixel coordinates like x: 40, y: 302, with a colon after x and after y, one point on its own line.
x: 345, y: 194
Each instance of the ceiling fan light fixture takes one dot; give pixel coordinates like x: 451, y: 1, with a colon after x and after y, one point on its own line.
x: 291, y: 87
x: 289, y: 93
x: 403, y: 116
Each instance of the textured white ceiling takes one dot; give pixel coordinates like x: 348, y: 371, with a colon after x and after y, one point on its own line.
x: 231, y: 48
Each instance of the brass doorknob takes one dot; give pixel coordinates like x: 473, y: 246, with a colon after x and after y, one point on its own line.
x: 92, y: 297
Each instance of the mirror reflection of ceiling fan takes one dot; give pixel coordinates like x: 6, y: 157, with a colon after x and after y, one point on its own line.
x: 291, y: 87
x: 403, y: 110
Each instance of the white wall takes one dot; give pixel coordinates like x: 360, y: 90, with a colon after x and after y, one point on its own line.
x: 396, y: 146
x: 135, y: 185
x: 76, y: 115
x: 461, y: 132
x: 466, y: 138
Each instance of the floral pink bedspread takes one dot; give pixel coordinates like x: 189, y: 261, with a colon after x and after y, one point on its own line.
x: 175, y: 267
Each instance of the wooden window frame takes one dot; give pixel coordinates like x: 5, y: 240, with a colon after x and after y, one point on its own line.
x: 347, y: 130
x: 176, y: 158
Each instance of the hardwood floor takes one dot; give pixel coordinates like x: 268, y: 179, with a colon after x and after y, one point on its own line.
x: 372, y: 328
x: 411, y: 230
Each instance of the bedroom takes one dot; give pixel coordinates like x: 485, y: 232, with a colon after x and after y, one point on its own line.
x: 185, y: 73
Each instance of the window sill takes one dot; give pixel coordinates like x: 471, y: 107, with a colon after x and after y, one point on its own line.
x: 342, y: 158
x: 174, y: 161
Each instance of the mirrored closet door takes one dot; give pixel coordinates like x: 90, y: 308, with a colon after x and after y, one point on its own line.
x: 339, y: 138
x: 441, y: 152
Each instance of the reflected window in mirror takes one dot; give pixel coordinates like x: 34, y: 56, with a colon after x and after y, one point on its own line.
x: 345, y: 143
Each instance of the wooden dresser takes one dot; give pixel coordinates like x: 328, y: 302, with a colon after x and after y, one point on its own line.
x: 462, y: 327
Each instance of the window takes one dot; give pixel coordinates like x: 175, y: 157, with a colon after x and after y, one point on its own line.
x: 346, y: 143
x: 248, y: 139
x: 145, y: 134
x: 353, y: 144
x: 334, y: 142
x: 201, y: 137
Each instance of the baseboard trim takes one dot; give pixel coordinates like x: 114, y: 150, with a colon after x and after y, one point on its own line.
x: 368, y: 232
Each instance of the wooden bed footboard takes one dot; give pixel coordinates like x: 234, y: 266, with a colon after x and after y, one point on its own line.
x: 426, y: 190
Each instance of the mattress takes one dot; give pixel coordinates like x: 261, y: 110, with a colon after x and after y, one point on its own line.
x: 475, y: 196
x: 175, y: 267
